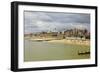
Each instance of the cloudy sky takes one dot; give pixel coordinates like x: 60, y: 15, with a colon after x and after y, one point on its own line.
x: 54, y: 21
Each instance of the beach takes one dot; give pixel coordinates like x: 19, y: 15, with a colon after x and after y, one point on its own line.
x: 77, y: 42
x: 64, y: 41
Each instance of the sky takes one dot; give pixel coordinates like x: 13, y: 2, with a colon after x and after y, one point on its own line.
x: 54, y: 21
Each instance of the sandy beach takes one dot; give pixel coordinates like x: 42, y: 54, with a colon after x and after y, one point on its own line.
x: 74, y: 42
x: 65, y: 41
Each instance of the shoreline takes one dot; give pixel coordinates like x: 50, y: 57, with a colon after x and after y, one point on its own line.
x: 64, y: 41
x: 73, y: 42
